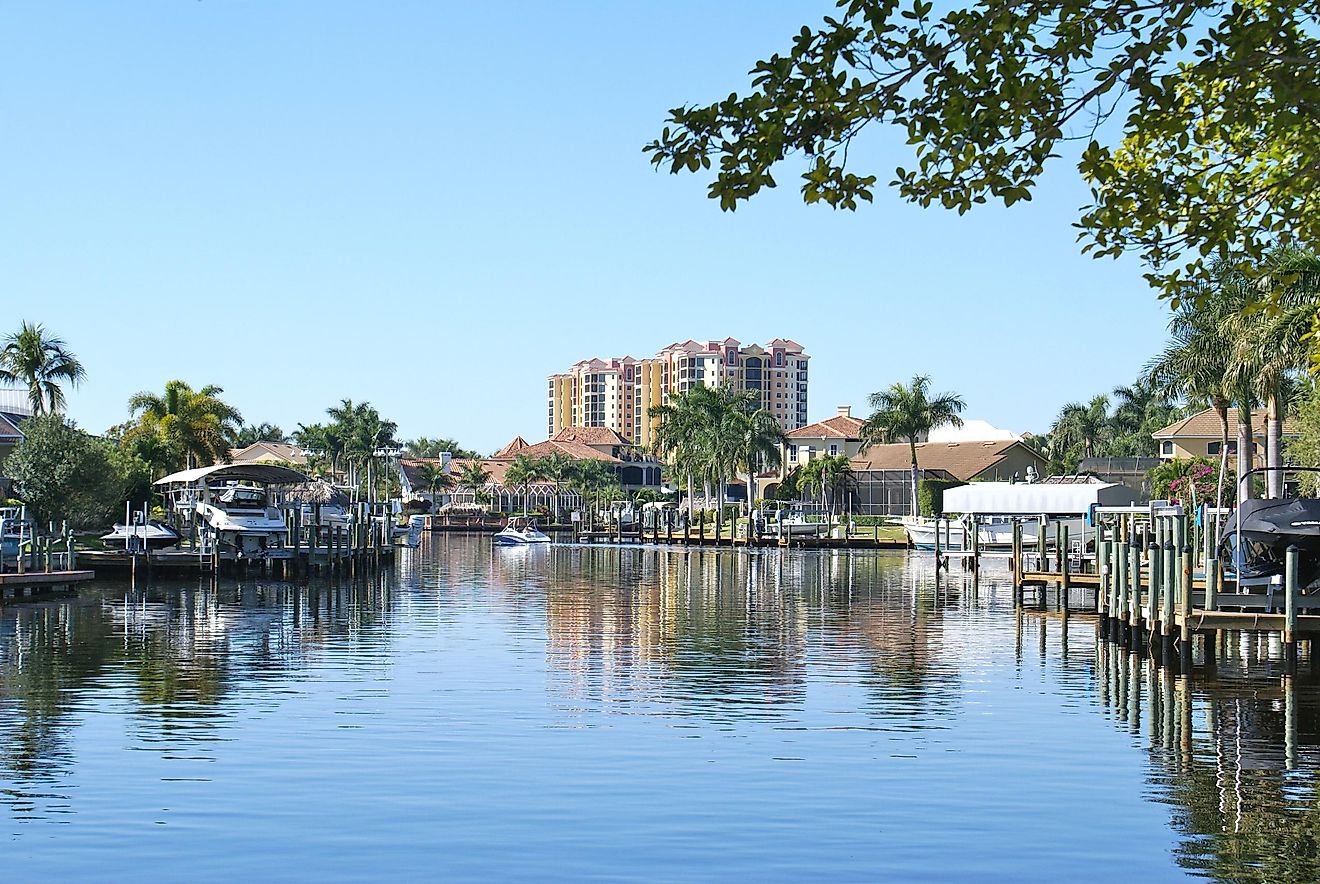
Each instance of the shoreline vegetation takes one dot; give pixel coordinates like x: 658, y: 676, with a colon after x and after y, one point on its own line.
x: 1243, y: 344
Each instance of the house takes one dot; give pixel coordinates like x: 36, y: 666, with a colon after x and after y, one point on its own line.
x: 1200, y: 435
x: 269, y: 452
x: 841, y: 434
x: 882, y: 473
x: 634, y: 468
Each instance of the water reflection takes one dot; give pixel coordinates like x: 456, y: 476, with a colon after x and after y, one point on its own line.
x: 465, y: 647
x: 1235, y: 753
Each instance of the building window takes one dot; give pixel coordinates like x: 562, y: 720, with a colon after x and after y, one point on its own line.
x: 792, y: 452
x: 1166, y: 448
x: 834, y: 449
x: 1213, y: 448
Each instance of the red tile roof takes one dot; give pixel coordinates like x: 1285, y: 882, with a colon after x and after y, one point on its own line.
x: 589, y: 436
x: 838, y: 427
x: 517, y: 444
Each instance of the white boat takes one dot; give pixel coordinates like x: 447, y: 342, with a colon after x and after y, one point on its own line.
x: 233, y: 506
x: 1062, y: 501
x: 520, y: 534
x: 995, y: 532
x: 794, y: 521
x: 139, y: 536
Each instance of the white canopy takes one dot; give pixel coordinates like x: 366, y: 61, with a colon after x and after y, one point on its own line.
x: 1036, y: 498
x: 262, y: 473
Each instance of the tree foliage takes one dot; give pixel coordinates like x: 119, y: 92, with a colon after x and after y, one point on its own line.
x: 431, y: 448
x: 195, y: 427
x: 907, y: 413
x: 42, y: 363
x: 62, y: 473
x: 1212, y: 150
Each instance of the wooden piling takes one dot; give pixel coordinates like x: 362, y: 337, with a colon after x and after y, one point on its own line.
x: 1290, y: 608
x: 1185, y: 610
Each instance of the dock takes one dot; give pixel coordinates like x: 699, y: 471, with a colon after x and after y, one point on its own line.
x: 17, y: 584
x: 1156, y: 586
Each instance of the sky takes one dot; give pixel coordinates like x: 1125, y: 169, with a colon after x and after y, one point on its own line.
x: 432, y: 206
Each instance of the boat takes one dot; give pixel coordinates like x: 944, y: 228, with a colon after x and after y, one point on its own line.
x: 993, y: 532
x: 1254, y: 542
x: 794, y: 521
x: 233, y: 507
x: 520, y: 533
x: 15, y: 529
x: 1057, y: 502
x: 140, y: 535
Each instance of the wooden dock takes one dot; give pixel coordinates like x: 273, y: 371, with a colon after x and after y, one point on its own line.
x: 15, y: 585
x: 695, y: 536
x: 1149, y: 599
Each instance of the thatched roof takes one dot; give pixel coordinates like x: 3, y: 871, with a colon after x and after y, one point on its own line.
x: 316, y: 492
x: 462, y: 508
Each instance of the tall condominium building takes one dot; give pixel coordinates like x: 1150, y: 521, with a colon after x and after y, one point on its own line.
x: 619, y: 393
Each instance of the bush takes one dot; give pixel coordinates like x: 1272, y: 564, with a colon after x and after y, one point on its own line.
x: 930, y: 495
x: 61, y: 473
x: 1191, y: 480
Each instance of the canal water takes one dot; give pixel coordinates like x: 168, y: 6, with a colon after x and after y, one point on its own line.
x: 574, y: 713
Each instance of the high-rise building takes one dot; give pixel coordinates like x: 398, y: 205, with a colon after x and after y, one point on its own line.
x: 619, y: 393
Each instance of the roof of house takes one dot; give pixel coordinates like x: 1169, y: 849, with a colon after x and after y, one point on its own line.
x: 589, y: 436
x: 517, y: 444
x: 1205, y: 425
x: 259, y: 452
x: 9, y: 430
x: 962, y: 460
x: 570, y: 449
x: 840, y: 426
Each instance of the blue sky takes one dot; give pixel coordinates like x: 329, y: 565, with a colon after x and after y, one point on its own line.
x: 433, y: 206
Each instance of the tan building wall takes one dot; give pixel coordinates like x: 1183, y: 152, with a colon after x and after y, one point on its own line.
x: 1183, y: 449
x: 1015, y: 461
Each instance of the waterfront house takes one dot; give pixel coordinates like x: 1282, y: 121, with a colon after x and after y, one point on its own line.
x: 882, y: 473
x: 269, y: 452
x: 1200, y: 435
x: 841, y: 434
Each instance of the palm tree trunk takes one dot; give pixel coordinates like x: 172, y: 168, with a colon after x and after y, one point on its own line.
x: 1221, y: 409
x: 916, y: 509
x: 1246, y: 444
x: 1274, y: 446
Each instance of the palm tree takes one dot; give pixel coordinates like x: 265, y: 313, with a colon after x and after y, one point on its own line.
x: 364, y: 432
x: 908, y: 414
x: 1270, y: 345
x: 473, y: 474
x: 263, y: 432
x: 825, y: 476
x: 523, y: 472
x: 558, y: 469
x: 759, y: 439
x: 1082, y: 425
x: 434, y: 479
x: 40, y: 362
x: 684, y: 426
x: 1196, y: 364
x: 197, y: 424
x: 594, y: 479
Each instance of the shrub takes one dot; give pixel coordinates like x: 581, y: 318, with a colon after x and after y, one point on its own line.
x: 930, y: 495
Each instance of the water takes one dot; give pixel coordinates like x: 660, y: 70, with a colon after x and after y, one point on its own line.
x: 603, y: 713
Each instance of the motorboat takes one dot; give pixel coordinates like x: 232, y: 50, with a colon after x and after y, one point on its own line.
x: 140, y: 535
x: 520, y: 533
x: 993, y: 532
x: 794, y: 521
x: 1256, y: 537
x: 233, y: 507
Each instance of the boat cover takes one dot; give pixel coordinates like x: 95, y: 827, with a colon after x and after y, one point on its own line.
x: 1289, y: 517
x: 1036, y: 498
x: 262, y: 473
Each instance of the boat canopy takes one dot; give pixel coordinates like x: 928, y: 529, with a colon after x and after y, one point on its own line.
x: 261, y: 473
x: 1036, y: 498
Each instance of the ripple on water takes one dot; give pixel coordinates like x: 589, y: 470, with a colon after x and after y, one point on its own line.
x: 634, y: 713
